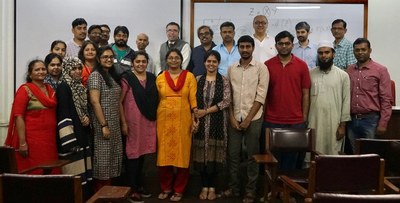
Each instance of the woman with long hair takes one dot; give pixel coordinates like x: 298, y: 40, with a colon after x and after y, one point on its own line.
x: 105, y: 93
x: 53, y: 64
x: 87, y: 54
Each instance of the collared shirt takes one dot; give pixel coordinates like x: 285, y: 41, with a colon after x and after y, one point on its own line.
x: 344, y: 55
x: 308, y: 54
x: 371, y: 90
x: 72, y: 49
x: 249, y: 84
x: 197, y: 60
x: 285, y: 92
x: 265, y: 49
x: 227, y: 59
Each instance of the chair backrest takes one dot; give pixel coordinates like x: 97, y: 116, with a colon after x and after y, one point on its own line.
x: 40, y: 188
x: 393, y: 88
x: 347, y: 173
x: 290, y: 139
x: 386, y: 149
x: 7, y: 160
x: 347, y: 198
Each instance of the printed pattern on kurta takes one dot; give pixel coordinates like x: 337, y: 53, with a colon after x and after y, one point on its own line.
x: 141, y: 137
x: 107, y: 157
x: 174, y: 121
x: 329, y: 105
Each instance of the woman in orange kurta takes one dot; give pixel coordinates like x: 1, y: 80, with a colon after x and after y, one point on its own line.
x: 32, y: 127
x: 175, y: 123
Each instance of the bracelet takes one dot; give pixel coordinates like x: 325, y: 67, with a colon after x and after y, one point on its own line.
x: 104, y: 125
x: 22, y: 145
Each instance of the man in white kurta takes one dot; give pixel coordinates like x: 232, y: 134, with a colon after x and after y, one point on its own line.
x: 329, y: 101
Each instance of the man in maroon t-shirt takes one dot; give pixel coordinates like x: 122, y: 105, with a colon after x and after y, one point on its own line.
x: 288, y: 99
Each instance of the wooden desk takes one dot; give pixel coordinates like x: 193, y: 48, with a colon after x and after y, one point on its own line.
x: 393, y: 128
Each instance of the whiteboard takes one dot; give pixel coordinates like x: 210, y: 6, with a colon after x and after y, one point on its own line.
x: 242, y: 14
x: 39, y: 22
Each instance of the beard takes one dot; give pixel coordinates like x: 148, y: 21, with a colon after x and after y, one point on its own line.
x: 121, y: 43
x: 325, y: 65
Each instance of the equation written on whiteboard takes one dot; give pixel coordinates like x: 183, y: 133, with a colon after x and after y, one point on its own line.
x: 266, y: 10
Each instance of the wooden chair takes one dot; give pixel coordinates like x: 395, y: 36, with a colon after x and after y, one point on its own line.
x: 348, y: 198
x: 340, y: 174
x: 53, y: 188
x: 388, y: 150
x: 393, y: 90
x: 284, y: 140
x: 9, y: 163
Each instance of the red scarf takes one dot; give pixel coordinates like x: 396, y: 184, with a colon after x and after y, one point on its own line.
x: 49, y: 101
x: 179, y: 84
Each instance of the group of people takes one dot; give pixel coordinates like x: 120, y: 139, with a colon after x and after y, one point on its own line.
x: 104, y: 106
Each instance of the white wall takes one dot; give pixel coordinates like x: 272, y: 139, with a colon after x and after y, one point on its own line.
x: 382, y: 32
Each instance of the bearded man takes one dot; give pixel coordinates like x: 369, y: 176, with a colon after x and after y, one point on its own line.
x: 124, y: 53
x: 329, y: 101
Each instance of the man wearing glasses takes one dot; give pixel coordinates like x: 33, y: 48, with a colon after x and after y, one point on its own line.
x: 264, y: 48
x: 172, y: 31
x: 343, y: 47
x: 288, y: 98
x: 205, y: 35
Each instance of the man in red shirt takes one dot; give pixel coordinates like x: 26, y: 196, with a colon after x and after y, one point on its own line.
x: 370, y: 94
x: 288, y: 98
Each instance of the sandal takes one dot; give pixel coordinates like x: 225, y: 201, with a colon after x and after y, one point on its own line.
x: 176, y: 197
x: 211, y: 194
x: 228, y: 194
x: 203, y: 193
x: 164, y: 195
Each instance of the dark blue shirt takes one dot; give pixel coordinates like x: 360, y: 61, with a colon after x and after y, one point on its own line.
x: 197, y: 60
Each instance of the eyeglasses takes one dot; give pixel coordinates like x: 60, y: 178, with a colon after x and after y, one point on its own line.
x: 176, y: 58
x: 281, y: 44
x: 107, y: 57
x: 337, y: 28
x: 260, y: 23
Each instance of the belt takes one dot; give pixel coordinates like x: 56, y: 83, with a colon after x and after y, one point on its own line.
x: 364, y: 115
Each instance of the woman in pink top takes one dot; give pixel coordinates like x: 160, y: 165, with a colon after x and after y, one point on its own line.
x: 140, y: 101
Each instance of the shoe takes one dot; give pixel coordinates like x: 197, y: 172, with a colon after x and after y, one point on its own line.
x: 204, y: 193
x: 144, y: 193
x: 136, y: 198
x: 228, y: 193
x: 164, y: 195
x: 249, y: 198
x: 176, y: 197
x: 211, y: 194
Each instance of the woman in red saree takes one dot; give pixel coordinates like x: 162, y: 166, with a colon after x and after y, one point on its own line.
x: 32, y: 127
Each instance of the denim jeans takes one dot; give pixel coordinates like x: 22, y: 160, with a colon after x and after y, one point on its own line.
x: 287, y: 160
x: 362, y: 128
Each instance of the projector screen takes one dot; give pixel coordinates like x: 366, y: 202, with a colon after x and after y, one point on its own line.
x: 40, y: 22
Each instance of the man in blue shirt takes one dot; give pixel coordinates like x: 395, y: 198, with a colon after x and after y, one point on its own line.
x: 228, y: 50
x: 205, y: 35
x: 304, y: 49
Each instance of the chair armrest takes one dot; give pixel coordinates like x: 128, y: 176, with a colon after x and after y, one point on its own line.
x: 391, y: 187
x: 293, y: 186
x: 267, y: 158
x: 110, y: 194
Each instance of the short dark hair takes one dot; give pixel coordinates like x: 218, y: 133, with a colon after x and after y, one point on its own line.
x: 282, y: 35
x: 173, y: 23
x: 121, y: 28
x: 246, y: 38
x: 340, y: 21
x: 140, y: 53
x: 50, y: 57
x: 212, y: 53
x: 360, y: 41
x: 227, y: 24
x: 78, y: 21
x: 92, y: 27
x: 303, y: 25
x: 205, y: 26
